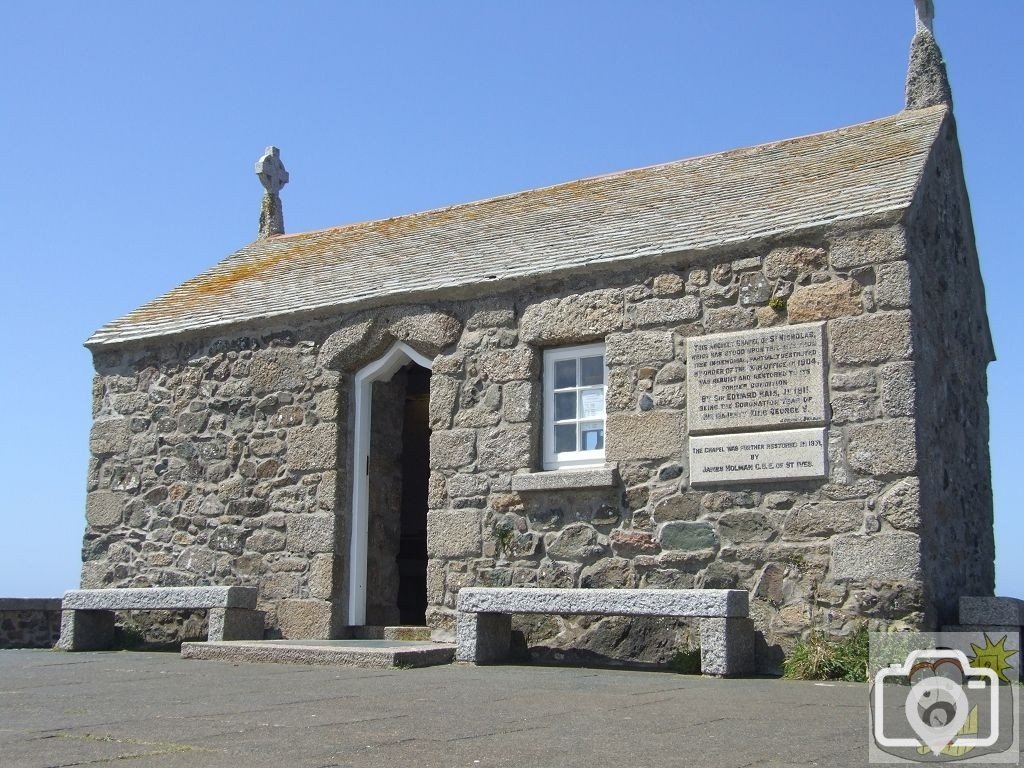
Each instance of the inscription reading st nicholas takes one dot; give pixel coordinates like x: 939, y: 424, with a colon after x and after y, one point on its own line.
x: 756, y: 379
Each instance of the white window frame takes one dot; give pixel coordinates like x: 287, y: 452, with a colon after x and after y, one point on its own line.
x: 570, y: 459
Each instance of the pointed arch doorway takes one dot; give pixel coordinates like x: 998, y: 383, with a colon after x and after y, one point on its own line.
x: 387, y: 549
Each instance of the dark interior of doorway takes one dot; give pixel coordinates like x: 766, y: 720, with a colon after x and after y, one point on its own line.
x: 412, y: 552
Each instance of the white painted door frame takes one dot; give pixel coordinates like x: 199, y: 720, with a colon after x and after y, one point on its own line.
x: 382, y: 369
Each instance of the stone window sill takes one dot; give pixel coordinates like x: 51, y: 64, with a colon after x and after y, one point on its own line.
x: 567, y: 479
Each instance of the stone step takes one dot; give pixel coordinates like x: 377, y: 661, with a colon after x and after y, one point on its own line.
x: 376, y: 632
x: 374, y: 654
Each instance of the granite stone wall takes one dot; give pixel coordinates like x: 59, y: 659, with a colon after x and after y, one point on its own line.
x: 946, y: 391
x: 226, y: 461
x: 29, y: 622
x: 812, y: 553
x: 215, y: 462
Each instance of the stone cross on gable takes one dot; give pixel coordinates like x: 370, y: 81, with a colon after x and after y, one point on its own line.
x: 925, y: 14
x: 273, y: 176
x: 271, y: 171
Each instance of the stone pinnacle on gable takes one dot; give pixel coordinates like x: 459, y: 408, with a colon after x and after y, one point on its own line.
x: 273, y: 177
x: 927, y: 81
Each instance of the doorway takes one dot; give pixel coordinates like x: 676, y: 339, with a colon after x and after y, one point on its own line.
x: 412, y: 551
x: 391, y: 470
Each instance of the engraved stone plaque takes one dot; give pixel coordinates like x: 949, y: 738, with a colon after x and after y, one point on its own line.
x: 752, y: 379
x: 787, y: 454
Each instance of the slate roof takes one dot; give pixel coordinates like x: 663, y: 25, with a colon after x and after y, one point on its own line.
x: 686, y: 205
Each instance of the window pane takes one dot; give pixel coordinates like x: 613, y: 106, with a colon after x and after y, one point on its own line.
x: 592, y: 403
x: 565, y: 374
x: 592, y: 370
x: 565, y: 438
x: 592, y: 436
x: 565, y: 406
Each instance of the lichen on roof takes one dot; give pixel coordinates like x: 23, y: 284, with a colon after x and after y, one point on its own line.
x: 687, y: 205
x: 215, y: 282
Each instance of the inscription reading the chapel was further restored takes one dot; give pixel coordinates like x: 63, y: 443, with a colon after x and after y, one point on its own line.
x: 750, y: 379
x: 788, y: 454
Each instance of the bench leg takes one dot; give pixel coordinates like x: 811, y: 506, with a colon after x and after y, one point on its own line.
x: 726, y: 647
x: 234, y: 624
x: 86, y: 630
x: 481, y: 638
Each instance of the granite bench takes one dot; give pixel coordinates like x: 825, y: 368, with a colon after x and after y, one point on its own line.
x: 989, y: 614
x: 484, y: 627
x: 87, y: 615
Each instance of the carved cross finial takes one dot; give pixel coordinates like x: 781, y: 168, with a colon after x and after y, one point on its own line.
x: 271, y: 171
x: 273, y: 176
x: 925, y: 14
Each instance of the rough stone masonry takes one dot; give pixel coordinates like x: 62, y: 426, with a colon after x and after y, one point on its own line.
x: 843, y: 476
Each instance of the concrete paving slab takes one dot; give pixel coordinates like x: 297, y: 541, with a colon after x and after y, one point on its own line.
x: 159, y: 710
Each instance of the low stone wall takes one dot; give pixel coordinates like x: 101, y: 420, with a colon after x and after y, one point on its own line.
x: 29, y: 622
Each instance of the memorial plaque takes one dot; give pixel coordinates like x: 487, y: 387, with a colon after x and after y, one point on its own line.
x: 752, y: 379
x: 787, y: 454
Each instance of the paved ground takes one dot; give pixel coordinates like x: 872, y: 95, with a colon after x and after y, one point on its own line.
x: 156, y: 709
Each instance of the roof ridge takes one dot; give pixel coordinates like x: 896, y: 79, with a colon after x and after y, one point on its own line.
x: 604, y: 176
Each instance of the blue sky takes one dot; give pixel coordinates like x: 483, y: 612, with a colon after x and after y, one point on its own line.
x: 130, y: 130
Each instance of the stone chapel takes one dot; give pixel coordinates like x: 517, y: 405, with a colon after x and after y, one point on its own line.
x: 762, y: 369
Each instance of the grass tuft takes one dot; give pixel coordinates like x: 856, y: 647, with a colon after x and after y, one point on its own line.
x: 823, y: 657
x: 686, y: 662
